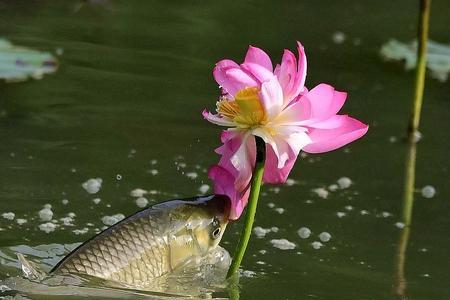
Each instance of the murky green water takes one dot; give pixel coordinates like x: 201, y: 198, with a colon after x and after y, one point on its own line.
x: 126, y: 102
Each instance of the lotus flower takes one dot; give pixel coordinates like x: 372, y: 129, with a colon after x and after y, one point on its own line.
x: 276, y: 106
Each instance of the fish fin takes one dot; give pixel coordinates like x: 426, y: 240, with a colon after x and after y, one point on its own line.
x: 30, y: 269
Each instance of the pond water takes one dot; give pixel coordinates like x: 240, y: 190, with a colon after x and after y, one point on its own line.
x: 125, y: 107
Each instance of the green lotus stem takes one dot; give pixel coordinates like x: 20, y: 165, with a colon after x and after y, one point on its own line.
x: 257, y: 176
x: 422, y: 38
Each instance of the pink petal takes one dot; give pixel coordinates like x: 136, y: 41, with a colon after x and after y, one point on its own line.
x: 291, y: 75
x: 258, y: 71
x: 272, y: 174
x: 297, y: 113
x: 271, y: 97
x: 224, y: 185
x: 325, y: 101
x: 257, y: 56
x: 324, y: 140
x: 230, y: 77
x: 302, y: 66
x: 215, y: 119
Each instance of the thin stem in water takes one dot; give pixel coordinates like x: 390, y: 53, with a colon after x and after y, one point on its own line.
x: 251, y: 207
x: 422, y: 38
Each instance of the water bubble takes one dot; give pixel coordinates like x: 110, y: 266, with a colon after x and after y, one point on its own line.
x: 321, y: 192
x: 96, y: 200
x: 204, y: 188
x: 138, y: 193
x: 282, y: 244
x: 93, y: 185
x: 364, y: 212
x: 260, y: 232
x: 46, y: 214
x: 316, y: 245
x: 119, y: 177
x: 65, y: 201
x: 262, y: 251
x: 48, y: 206
x: 341, y: 214
x: 274, y: 229
x: 338, y: 37
x: 8, y: 215
x: 111, y: 220
x: 290, y: 182
x: 67, y: 221
x: 386, y: 214
x: 325, y: 237
x: 21, y: 221
x: 71, y: 215
x: 271, y: 205
x: 154, y: 172
x: 400, y: 225
x: 349, y: 207
x: 428, y: 191
x: 304, y: 232
x: 141, y: 202
x: 153, y: 162
x: 344, y: 182
x: 191, y: 175
x: 248, y: 273
x: 47, y: 227
x: 59, y: 51
x: 276, y: 189
x: 333, y: 187
x: 80, y: 231
x: 279, y: 210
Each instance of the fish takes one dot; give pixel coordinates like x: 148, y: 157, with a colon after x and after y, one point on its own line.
x: 152, y: 243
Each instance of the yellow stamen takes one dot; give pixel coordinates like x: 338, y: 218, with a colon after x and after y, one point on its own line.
x: 246, y: 110
x: 227, y: 108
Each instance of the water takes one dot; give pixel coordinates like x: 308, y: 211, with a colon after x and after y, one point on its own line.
x: 126, y: 101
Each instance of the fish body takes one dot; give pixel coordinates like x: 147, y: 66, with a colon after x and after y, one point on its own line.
x: 151, y: 243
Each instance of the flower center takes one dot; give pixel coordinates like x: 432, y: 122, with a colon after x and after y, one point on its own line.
x: 246, y: 109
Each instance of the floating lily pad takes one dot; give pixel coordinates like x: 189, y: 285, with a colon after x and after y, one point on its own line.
x: 438, y: 56
x: 20, y: 63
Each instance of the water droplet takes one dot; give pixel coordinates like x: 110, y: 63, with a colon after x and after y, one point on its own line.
x: 119, y: 177
x: 325, y: 237
x: 344, y: 182
x: 282, y: 244
x: 304, y: 232
x: 316, y: 245
x: 428, y: 191
x: 141, y: 202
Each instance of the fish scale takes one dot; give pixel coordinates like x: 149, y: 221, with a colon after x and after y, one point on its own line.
x: 129, y: 253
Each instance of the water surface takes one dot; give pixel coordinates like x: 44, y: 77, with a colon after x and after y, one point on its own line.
x: 125, y: 107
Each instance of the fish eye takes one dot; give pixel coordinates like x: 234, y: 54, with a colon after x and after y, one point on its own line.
x: 216, y: 233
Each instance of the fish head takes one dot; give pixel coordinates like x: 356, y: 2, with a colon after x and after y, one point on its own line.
x: 210, y: 221
x: 201, y: 224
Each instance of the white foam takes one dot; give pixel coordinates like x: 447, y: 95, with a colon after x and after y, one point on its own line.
x: 204, y: 188
x: 283, y: 244
x: 47, y: 227
x: 8, y: 215
x: 93, y: 185
x: 46, y: 214
x: 141, y: 202
x: 428, y: 191
x: 344, y: 182
x: 304, y: 232
x: 325, y: 237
